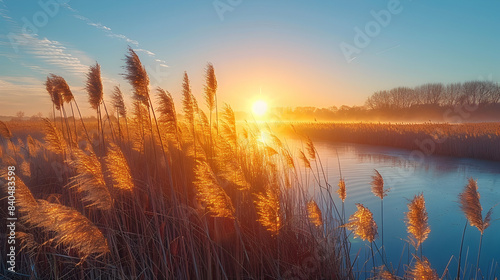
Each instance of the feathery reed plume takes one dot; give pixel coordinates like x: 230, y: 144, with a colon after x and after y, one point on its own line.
x: 31, y: 146
x: 89, y: 180
x: 423, y: 270
x: 167, y: 108
x: 268, y: 210
x: 378, y: 185
x: 210, y: 87
x: 314, y: 213
x: 71, y: 228
x: 5, y: 131
x: 417, y: 221
x: 304, y: 159
x: 277, y: 142
x: 25, y: 169
x: 310, y: 149
x: 118, y: 102
x: 362, y: 224
x: 471, y: 206
x: 54, y: 138
x: 119, y: 171
x: 341, y: 191
x: 62, y: 88
x: 27, y: 242
x: 210, y: 193
x: 187, y: 100
x: 384, y: 274
x: 24, y: 198
x: 211, y: 95
x: 288, y: 158
x: 51, y: 85
x: 137, y: 77
x: 94, y: 86
x: 229, y: 125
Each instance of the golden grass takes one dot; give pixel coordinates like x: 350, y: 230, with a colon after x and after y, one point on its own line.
x: 362, y: 224
x: 268, y: 210
x: 341, y: 191
x: 471, y: 206
x: 119, y: 170
x: 5, y: 131
x: 417, y: 220
x: 423, y: 270
x: 378, y: 185
x: 54, y: 138
x: 89, y: 180
x: 314, y: 213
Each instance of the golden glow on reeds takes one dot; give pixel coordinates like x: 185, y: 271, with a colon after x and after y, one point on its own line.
x: 58, y: 90
x: 417, y: 220
x: 362, y: 224
x: 71, y: 228
x: 210, y: 193
x: 187, y: 100
x: 341, y: 191
x: 288, y: 158
x: 229, y: 125
x: 304, y: 159
x: 471, y: 206
x: 24, y: 198
x: 5, y: 131
x: 94, y: 86
x: 119, y: 170
x: 423, y: 270
x: 268, y: 210
x: 89, y: 180
x: 314, y: 213
x: 384, y: 274
x: 54, y: 138
x: 210, y: 87
x: 167, y: 109
x: 118, y: 102
x: 378, y: 185
x: 310, y: 149
x: 137, y: 77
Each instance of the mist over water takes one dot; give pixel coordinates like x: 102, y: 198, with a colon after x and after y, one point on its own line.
x: 439, y: 178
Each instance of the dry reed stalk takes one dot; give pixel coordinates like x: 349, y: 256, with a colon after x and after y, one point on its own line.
x: 378, y: 186
x: 119, y: 170
x: 210, y: 193
x: 311, y: 150
x: 304, y: 159
x: 167, y: 110
x: 268, y: 210
x: 72, y: 229
x: 118, y: 103
x: 89, y: 180
x: 314, y: 213
x: 5, y: 131
x: 188, y: 100
x: 423, y: 270
x: 471, y: 206
x: 54, y: 138
x: 229, y: 125
x: 94, y: 86
x: 137, y: 77
x: 341, y: 191
x: 362, y: 224
x: 417, y: 221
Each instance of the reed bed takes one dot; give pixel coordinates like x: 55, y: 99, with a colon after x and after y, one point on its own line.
x: 473, y: 140
x: 150, y: 194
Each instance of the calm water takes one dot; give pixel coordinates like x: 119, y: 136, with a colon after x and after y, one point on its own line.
x: 440, y: 179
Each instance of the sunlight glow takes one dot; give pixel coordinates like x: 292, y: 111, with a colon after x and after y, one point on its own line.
x: 259, y: 108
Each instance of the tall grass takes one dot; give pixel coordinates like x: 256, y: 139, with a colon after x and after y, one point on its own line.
x: 169, y: 198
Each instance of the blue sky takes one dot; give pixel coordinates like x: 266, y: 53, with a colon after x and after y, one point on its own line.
x: 286, y: 52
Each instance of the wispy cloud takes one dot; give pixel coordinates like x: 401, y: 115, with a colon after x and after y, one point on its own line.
x: 145, y: 51
x: 102, y: 27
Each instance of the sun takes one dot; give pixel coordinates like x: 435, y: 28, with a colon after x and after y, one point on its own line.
x: 259, y: 108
